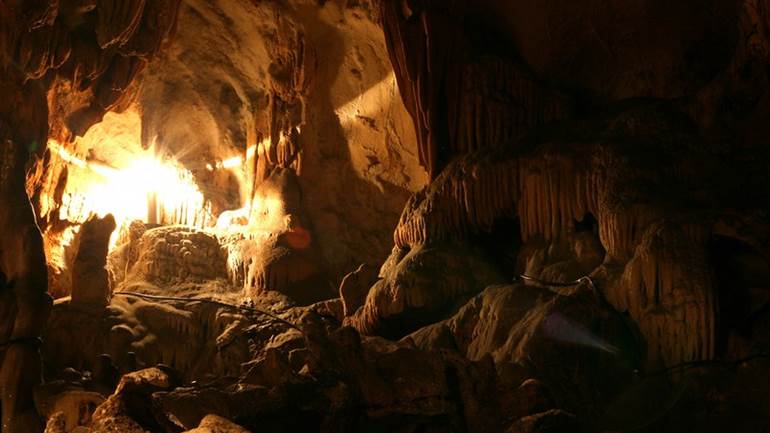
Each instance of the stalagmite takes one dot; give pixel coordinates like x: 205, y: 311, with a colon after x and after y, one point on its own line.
x: 669, y: 290
x: 90, y: 283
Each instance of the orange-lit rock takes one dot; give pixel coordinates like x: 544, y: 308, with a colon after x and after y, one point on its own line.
x: 90, y: 283
x: 211, y: 191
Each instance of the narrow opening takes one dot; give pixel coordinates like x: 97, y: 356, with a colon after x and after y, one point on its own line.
x: 587, y: 224
x: 743, y: 278
x: 502, y: 244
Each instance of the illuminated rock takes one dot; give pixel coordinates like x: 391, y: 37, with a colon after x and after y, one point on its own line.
x: 422, y: 285
x: 175, y: 254
x: 217, y: 424
x: 129, y: 409
x: 90, y: 282
x: 74, y: 405
x: 354, y: 288
x: 554, y: 337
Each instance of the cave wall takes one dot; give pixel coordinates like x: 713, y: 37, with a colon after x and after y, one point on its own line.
x: 543, y: 117
x: 301, y: 85
x: 606, y: 133
x: 80, y: 57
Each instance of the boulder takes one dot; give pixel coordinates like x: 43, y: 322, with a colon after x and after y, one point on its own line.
x: 573, y: 342
x: 217, y: 424
x: 355, y: 286
x: 422, y: 286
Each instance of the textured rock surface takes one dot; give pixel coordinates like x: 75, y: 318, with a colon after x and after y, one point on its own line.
x: 464, y: 93
x: 39, y: 41
x: 90, y: 283
x: 306, y: 86
x: 128, y: 409
x: 176, y: 254
x: 559, y: 179
x: 66, y: 409
x: 575, y: 343
x: 355, y: 287
x: 621, y: 145
x: 420, y: 286
x: 217, y: 424
x: 196, y: 338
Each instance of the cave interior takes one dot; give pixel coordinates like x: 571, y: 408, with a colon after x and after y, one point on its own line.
x: 229, y: 216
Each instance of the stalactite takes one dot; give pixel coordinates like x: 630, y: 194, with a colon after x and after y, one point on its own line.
x: 118, y: 20
x: 460, y: 101
x: 36, y: 62
x: 666, y: 286
x: 669, y: 290
x: 475, y: 191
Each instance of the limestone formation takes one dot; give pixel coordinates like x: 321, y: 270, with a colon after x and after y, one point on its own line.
x: 217, y: 424
x: 384, y: 215
x: 90, y: 282
x: 530, y: 328
x: 176, y: 254
x: 355, y: 287
x: 423, y: 285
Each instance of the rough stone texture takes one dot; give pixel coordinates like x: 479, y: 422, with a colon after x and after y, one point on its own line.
x: 574, y: 342
x: 354, y: 288
x: 173, y: 254
x: 666, y: 309
x: 217, y: 424
x: 194, y: 337
x: 277, y: 250
x: 351, y: 385
x: 306, y: 86
x: 90, y: 283
x: 66, y: 409
x: 37, y: 41
x: 539, y: 164
x: 56, y: 423
x: 463, y: 90
x: 127, y: 409
x: 293, y: 273
x: 420, y: 286
x: 553, y: 182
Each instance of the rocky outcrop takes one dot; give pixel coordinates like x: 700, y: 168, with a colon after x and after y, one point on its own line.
x: 175, y: 254
x: 91, y: 286
x: 40, y: 50
x: 355, y: 287
x: 66, y: 407
x: 197, y: 338
x: 422, y: 285
x: 301, y: 86
x: 128, y: 409
x: 554, y: 184
x: 463, y: 94
x: 217, y: 424
x: 573, y: 341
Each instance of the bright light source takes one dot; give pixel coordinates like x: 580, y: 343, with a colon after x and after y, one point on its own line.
x: 148, y: 189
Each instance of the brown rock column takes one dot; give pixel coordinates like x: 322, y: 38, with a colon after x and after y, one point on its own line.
x: 90, y: 282
x: 24, y: 301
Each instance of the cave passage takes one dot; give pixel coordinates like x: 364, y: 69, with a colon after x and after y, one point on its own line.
x: 233, y: 216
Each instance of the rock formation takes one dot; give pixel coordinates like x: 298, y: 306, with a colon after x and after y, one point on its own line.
x: 90, y: 282
x: 384, y: 215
